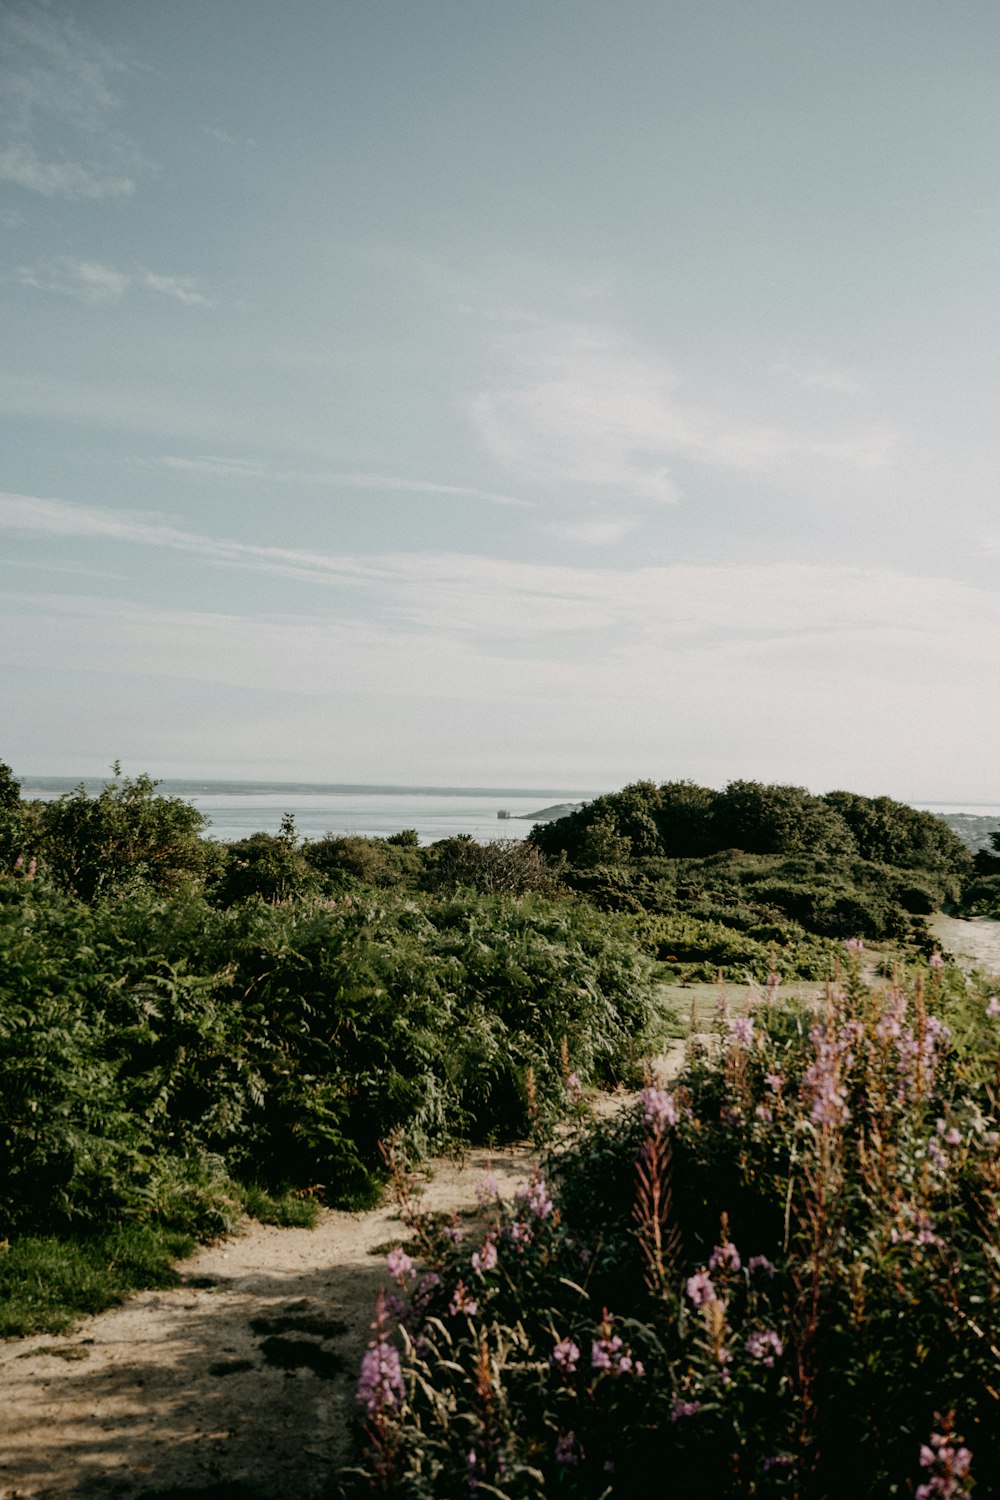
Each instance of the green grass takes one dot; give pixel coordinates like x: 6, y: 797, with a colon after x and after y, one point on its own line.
x: 48, y: 1283
x: 288, y: 1209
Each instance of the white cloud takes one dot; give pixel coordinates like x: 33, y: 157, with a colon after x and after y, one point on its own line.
x: 576, y: 405
x: 20, y: 164
x: 834, y: 675
x: 93, y: 282
x: 254, y: 469
x: 57, y: 108
x: 231, y: 140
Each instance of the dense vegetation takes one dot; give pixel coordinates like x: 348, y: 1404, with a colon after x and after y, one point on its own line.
x: 189, y: 1029
x: 778, y: 1277
x: 186, y: 1030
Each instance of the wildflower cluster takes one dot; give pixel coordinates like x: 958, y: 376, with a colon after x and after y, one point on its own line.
x: 752, y: 1306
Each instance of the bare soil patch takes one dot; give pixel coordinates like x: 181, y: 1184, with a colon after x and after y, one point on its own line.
x: 236, y: 1385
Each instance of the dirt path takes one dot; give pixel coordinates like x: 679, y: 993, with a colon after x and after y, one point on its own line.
x: 975, y: 941
x: 239, y: 1383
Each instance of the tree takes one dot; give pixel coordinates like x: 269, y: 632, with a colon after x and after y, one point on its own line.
x: 128, y: 835
x: 778, y: 820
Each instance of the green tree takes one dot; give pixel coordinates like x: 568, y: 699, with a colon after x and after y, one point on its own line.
x: 270, y: 866
x: 893, y: 833
x: 127, y: 836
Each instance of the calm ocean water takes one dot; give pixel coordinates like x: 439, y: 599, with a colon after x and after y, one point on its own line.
x: 236, y: 809
x: 435, y: 812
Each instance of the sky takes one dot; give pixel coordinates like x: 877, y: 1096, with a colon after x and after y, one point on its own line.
x: 536, y: 392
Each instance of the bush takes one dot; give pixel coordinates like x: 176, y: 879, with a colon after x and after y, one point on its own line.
x: 778, y: 1278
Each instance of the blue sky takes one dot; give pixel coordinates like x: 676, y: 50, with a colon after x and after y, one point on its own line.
x: 545, y: 393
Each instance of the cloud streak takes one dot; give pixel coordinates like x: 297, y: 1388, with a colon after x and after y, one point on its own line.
x: 254, y: 469
x: 578, y: 406
x: 91, y: 281
x: 57, y: 105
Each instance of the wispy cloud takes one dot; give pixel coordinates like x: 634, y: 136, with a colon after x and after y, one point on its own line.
x: 464, y: 595
x: 20, y: 164
x: 574, y: 405
x: 733, y: 667
x: 231, y: 140
x: 57, y: 108
x: 254, y: 469
x: 93, y: 282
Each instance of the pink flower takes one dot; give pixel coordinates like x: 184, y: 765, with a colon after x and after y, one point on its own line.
x: 461, y: 1302
x: 485, y: 1259
x: 535, y: 1198
x: 700, y: 1288
x: 725, y: 1258
x: 565, y: 1355
x: 765, y: 1347
x: 487, y: 1189
x: 993, y: 1007
x: 659, y: 1108
x: 380, y: 1384
x: 683, y: 1409
x: 936, y: 961
x: 399, y: 1264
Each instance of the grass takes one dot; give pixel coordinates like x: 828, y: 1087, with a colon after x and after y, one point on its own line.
x: 47, y: 1283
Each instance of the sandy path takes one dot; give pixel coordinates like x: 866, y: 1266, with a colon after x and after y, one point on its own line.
x: 237, y: 1383
x: 975, y: 941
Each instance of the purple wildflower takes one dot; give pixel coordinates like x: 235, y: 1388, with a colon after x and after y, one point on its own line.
x: 574, y: 1088
x: 567, y: 1450
x: 609, y: 1353
x: 700, y: 1288
x: 487, y: 1189
x: 535, y: 1198
x: 765, y: 1346
x: 659, y: 1108
x: 741, y: 1030
x: 948, y: 1468
x: 936, y: 961
x: 725, y: 1258
x: 822, y: 1080
x: 453, y: 1232
x: 380, y: 1384
x: 682, y: 1409
x: 461, y: 1302
x: 485, y: 1259
x: 993, y: 1007
x: 853, y: 945
x: 565, y: 1356
x: 760, y: 1263
x: 399, y: 1264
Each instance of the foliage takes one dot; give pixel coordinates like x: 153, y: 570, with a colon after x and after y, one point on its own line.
x: 125, y: 837
x: 269, y: 866
x: 145, y: 1043
x: 47, y: 1283
x: 681, y: 820
x: 779, y: 1277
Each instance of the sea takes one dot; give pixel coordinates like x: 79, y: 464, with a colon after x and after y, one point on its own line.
x: 235, y: 809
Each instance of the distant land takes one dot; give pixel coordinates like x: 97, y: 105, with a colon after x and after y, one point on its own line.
x: 170, y: 787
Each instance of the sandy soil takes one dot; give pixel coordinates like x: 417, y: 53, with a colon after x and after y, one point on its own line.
x: 975, y: 941
x: 238, y: 1383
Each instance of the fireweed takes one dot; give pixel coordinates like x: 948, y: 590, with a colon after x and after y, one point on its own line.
x: 767, y: 1279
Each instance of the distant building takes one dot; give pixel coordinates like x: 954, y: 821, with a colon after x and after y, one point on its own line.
x: 504, y: 813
